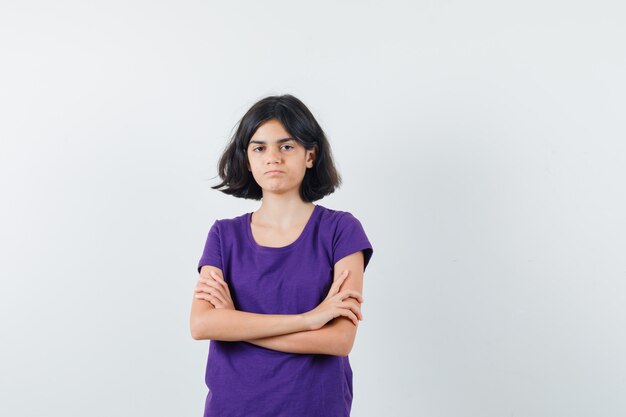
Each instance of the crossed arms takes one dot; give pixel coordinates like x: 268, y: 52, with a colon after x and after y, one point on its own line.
x: 282, y: 332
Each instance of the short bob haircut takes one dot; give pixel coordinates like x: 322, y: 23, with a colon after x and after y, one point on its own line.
x: 320, y: 180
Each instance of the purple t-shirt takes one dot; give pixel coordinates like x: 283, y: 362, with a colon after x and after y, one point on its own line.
x: 248, y: 380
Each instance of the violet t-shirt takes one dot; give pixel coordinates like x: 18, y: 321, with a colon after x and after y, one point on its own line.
x: 247, y: 380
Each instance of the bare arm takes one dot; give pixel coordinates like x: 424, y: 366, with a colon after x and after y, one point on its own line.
x: 335, y: 338
x: 328, y: 340
x: 207, y: 322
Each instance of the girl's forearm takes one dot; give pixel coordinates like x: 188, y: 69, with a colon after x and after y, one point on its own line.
x: 328, y: 340
x: 234, y: 325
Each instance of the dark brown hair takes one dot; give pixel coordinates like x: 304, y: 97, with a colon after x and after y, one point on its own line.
x: 320, y: 180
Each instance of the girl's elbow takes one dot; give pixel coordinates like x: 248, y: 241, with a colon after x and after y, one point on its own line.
x: 199, y: 327
x: 196, y: 332
x: 345, y: 347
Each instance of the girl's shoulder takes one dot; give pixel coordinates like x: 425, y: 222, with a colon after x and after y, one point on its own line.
x: 229, y: 225
x: 346, y: 234
x: 336, y: 216
x: 232, y: 220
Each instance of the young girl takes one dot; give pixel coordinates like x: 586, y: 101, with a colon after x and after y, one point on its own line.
x: 279, y: 293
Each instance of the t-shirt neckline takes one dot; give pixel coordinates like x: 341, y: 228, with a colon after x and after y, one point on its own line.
x: 303, y: 234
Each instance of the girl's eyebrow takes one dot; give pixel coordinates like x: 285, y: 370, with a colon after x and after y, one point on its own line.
x: 278, y: 141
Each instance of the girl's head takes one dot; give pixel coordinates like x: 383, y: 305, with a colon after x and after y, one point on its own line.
x: 242, y: 161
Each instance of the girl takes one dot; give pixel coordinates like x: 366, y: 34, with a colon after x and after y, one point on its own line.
x: 279, y: 293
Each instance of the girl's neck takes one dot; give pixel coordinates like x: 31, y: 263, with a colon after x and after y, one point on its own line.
x: 282, y: 213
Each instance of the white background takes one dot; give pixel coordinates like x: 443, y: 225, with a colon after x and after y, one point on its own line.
x: 481, y: 145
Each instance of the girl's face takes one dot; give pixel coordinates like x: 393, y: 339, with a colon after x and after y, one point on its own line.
x: 277, y: 161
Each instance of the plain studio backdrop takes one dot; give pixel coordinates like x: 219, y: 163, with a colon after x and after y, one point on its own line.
x: 482, y: 146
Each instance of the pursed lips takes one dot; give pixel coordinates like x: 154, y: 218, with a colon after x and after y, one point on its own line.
x: 275, y: 171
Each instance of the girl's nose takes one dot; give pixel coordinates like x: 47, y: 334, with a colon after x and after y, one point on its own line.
x: 273, y: 155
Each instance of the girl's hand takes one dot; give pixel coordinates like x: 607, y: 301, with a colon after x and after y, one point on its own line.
x: 215, y: 290
x: 335, y: 306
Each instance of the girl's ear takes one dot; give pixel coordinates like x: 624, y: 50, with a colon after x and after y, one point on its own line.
x: 310, y: 157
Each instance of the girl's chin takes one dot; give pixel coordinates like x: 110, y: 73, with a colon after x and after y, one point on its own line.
x: 275, y: 187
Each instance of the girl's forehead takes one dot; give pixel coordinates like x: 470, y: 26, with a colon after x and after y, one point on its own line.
x: 271, y: 129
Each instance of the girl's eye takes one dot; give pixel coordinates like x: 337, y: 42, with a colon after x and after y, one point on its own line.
x: 257, y: 148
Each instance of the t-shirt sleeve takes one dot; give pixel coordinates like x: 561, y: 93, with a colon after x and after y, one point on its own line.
x: 350, y: 238
x: 212, y: 253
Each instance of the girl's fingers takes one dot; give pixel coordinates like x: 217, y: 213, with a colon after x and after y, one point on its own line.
x: 349, y: 314
x: 203, y: 296
x: 334, y: 288
x: 343, y: 275
x: 213, y: 283
x: 351, y: 293
x: 215, y: 291
x: 219, y: 279
x: 208, y: 297
x: 352, y: 307
x: 337, y: 284
x: 203, y: 286
x: 216, y: 276
x: 217, y: 294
